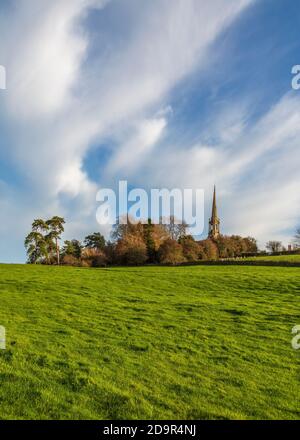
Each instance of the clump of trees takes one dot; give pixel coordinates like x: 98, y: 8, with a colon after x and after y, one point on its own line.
x: 42, y: 242
x: 90, y: 253
x: 171, y: 252
x: 132, y: 243
x: 42, y: 245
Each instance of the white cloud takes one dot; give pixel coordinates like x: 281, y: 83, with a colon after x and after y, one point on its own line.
x: 256, y: 172
x: 135, y: 150
x: 65, y: 92
x: 44, y: 50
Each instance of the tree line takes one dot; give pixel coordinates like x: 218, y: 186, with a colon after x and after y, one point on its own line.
x: 133, y: 243
x: 275, y: 246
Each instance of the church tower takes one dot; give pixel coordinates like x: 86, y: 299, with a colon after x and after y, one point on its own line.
x: 214, y: 222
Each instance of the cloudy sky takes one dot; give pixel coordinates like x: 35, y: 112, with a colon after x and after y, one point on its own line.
x: 162, y: 93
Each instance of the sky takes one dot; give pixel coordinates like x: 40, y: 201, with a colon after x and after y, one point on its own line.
x: 163, y: 94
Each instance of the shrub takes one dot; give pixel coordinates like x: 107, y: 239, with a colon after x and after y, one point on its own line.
x: 95, y: 240
x: 70, y: 260
x: 171, y: 252
x: 99, y: 261
x: 93, y: 257
x: 72, y: 247
x: 208, y: 250
x: 227, y: 246
x: 110, y: 253
x: 190, y: 248
x: 131, y: 250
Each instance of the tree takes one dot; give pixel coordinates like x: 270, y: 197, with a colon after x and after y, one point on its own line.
x: 39, y: 225
x: 174, y: 229
x: 93, y: 257
x: 274, y: 246
x: 297, y: 238
x: 171, y: 252
x: 131, y: 250
x: 56, y: 227
x: 110, y: 253
x: 190, y: 248
x: 125, y: 226
x: 226, y: 246
x: 36, y: 244
x: 70, y: 260
x: 159, y: 235
x: 149, y: 241
x: 72, y: 247
x: 95, y: 240
x: 36, y: 247
x: 154, y: 235
x: 251, y: 244
x: 208, y: 250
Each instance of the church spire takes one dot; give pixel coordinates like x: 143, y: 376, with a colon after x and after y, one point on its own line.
x: 214, y: 205
x: 214, y: 222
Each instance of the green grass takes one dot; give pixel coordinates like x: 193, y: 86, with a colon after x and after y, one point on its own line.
x: 152, y: 342
x: 293, y: 258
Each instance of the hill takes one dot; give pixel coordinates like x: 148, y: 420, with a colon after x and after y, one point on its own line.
x: 291, y: 258
x: 151, y: 342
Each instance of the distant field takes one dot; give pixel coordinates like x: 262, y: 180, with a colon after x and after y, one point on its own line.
x: 290, y: 258
x: 203, y: 342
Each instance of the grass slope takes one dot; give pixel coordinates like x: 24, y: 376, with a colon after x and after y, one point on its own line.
x: 293, y: 258
x: 151, y: 342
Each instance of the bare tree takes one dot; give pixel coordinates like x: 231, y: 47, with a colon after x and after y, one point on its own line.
x: 175, y: 228
x: 297, y: 238
x: 274, y: 246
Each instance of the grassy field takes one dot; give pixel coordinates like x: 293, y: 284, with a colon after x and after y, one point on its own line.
x: 293, y: 258
x: 151, y: 342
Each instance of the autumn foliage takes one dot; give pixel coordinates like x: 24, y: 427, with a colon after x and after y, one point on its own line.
x: 133, y: 244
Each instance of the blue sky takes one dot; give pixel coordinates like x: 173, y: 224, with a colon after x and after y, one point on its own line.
x: 182, y: 94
